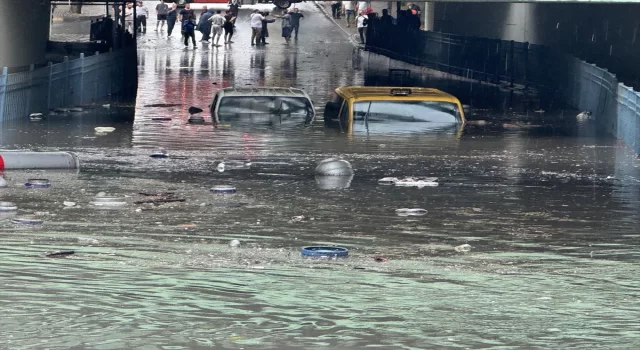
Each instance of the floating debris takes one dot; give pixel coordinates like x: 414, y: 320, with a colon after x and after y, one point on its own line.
x: 584, y: 115
x: 36, y: 117
x: 324, y: 252
x: 8, y: 206
x: 334, y: 167
x: 104, y: 129
x: 234, y: 243
x: 108, y: 201
x: 27, y: 220
x: 223, y: 189
x: 380, y: 259
x: 161, y: 119
x: 69, y: 204
x: 59, y: 254
x: 411, y: 212
x: 38, y: 183
x: 410, y: 181
x: 465, y: 248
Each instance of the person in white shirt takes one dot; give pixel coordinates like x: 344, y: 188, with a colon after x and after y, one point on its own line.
x: 142, y: 13
x: 349, y: 10
x: 128, y: 18
x: 217, y: 21
x: 256, y: 26
x: 361, y: 23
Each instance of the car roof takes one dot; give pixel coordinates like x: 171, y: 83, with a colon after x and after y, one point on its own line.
x: 377, y: 92
x: 263, y: 91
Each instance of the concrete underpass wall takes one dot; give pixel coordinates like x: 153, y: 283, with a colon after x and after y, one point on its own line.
x: 606, y: 34
x: 24, y: 32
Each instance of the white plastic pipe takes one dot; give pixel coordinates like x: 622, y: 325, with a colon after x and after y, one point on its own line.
x: 38, y: 160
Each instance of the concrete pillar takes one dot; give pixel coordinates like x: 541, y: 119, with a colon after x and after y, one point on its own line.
x: 24, y: 32
x: 428, y: 15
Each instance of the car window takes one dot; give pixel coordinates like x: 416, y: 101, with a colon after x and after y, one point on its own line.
x: 406, y: 111
x: 264, y: 104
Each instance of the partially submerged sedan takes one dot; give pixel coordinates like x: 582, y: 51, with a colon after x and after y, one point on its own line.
x: 271, y: 106
x: 381, y: 109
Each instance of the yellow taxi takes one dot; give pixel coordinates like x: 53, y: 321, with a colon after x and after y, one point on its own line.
x: 393, y: 109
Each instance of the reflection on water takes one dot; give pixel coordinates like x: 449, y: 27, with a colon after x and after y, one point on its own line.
x: 552, y: 219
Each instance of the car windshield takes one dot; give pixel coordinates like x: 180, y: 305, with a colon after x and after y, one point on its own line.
x: 232, y: 105
x: 406, y: 111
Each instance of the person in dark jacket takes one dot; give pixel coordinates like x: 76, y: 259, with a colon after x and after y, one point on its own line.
x: 204, y: 26
x: 230, y: 21
x: 172, y: 17
x: 265, y: 30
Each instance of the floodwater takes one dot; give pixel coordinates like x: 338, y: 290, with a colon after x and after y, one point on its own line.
x: 550, y: 213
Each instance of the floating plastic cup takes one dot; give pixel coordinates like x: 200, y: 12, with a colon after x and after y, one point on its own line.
x: 108, y: 201
x: 27, y: 220
x: 38, y: 183
x: 223, y: 189
x: 324, y: 252
x: 8, y: 206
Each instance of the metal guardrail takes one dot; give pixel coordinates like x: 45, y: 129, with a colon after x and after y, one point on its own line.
x: 71, y: 83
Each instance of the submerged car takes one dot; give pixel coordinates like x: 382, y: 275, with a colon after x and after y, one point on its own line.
x: 393, y: 109
x: 263, y: 106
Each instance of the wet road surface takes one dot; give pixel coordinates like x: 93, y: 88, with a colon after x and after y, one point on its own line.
x: 551, y: 217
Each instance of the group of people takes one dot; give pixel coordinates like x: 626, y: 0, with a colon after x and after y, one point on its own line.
x: 260, y: 20
x: 349, y: 9
x: 213, y: 24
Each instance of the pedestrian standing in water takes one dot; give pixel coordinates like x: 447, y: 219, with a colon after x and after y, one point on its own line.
x: 265, y: 30
x: 204, y: 10
x: 189, y: 29
x: 256, y: 26
x: 172, y: 17
x: 185, y: 12
x: 296, y: 16
x: 128, y: 18
x: 161, y: 11
x: 234, y: 5
x: 204, y: 26
x: 336, y: 6
x: 217, y: 21
x: 286, y: 25
x: 361, y: 23
x: 349, y: 10
x: 230, y: 20
x: 142, y: 13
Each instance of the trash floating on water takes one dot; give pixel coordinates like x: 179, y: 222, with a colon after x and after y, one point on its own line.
x: 297, y: 219
x: 196, y: 119
x: 333, y: 182
x: 108, y: 201
x: 234, y: 243
x: 159, y: 154
x: 69, y: 204
x: 410, y: 181
x: 161, y: 119
x: 106, y: 106
x: 38, y: 183
x: 36, y: 117
x: 324, y: 252
x: 76, y: 109
x: 59, y: 254
x: 463, y: 248
x: 584, y: 115
x: 233, y: 165
x: 3, y: 182
x: 411, y: 212
x: 8, y: 206
x: 104, y: 129
x: 27, y: 220
x: 222, y: 189
x: 334, y: 167
x: 380, y: 259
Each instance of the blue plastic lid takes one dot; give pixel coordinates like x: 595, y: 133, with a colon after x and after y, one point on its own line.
x: 325, y: 252
x: 38, y: 183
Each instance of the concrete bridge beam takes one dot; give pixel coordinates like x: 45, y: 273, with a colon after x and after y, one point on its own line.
x: 24, y: 32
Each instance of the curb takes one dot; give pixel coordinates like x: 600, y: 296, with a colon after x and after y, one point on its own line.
x: 330, y: 17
